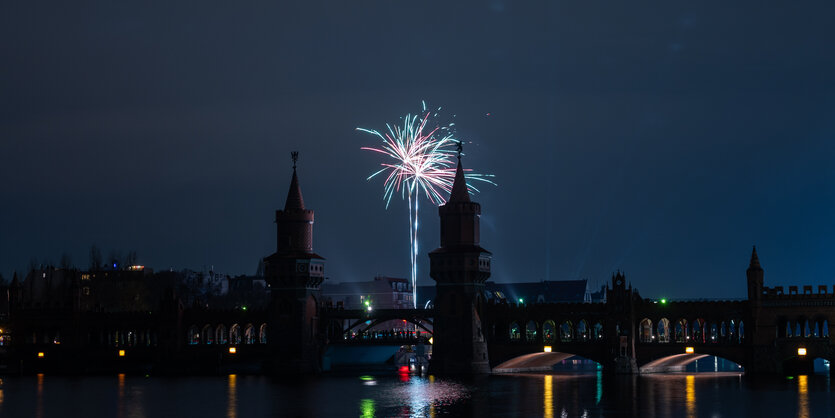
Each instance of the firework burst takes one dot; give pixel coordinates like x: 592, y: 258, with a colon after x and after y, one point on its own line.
x: 420, y: 159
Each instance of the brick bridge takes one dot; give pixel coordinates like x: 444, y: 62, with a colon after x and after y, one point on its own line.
x: 630, y: 334
x: 772, y: 331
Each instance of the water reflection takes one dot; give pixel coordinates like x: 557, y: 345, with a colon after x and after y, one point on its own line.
x: 690, y: 396
x: 232, y: 396
x: 367, y: 408
x: 39, y: 397
x: 802, y: 396
x: 120, y: 397
x: 591, y: 394
x: 548, y: 397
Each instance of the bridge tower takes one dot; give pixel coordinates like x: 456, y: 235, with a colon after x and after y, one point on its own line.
x: 294, y: 273
x: 621, y: 300
x: 459, y: 267
x: 755, y: 277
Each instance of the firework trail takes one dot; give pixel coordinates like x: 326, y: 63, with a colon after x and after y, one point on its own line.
x: 419, y: 160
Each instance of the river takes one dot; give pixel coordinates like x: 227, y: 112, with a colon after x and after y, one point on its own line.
x: 392, y: 394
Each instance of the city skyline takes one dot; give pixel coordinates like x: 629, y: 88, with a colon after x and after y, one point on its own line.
x: 663, y: 144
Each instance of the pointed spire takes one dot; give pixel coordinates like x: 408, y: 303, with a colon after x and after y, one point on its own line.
x: 755, y: 261
x: 294, y: 196
x: 459, y: 191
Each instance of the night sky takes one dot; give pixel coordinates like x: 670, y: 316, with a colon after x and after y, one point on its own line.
x: 663, y: 140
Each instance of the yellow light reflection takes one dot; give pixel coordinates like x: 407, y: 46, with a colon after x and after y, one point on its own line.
x: 689, y: 350
x: 690, y: 396
x: 120, y: 399
x: 39, y: 405
x: 548, y: 397
x: 803, y: 396
x: 232, y: 397
x: 367, y: 408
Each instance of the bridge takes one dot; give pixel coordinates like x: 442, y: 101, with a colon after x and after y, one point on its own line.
x: 774, y: 330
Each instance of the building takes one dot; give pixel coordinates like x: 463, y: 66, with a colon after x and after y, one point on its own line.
x: 381, y: 293
x: 547, y: 291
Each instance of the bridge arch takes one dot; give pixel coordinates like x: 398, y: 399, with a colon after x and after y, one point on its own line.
x: 262, y: 333
x: 530, y: 331
x: 567, y: 331
x: 664, y: 330
x: 221, y: 337
x: 645, y: 334
x: 549, y: 331
x: 207, y: 334
x: 672, y: 359
x: 521, y: 361
x: 515, y: 333
x: 582, y: 331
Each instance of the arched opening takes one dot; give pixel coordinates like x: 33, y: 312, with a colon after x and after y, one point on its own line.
x: 645, y: 331
x: 680, y: 331
x: 825, y: 330
x: 714, y: 332
x: 515, y: 333
x: 597, y: 331
x: 249, y: 334
x: 741, y: 332
x: 788, y: 329
x: 262, y: 334
x: 822, y: 366
x: 235, y: 334
x: 208, y: 335
x: 699, y: 330
x: 548, y: 332
x: 664, y: 330
x: 530, y: 332
x: 220, y: 335
x: 566, y: 331
x: 807, y: 331
x: 691, y: 363
x: 547, y: 362
x: 582, y: 331
x: 193, y: 335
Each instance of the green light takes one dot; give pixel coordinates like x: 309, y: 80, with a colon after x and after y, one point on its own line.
x: 367, y: 303
x: 663, y: 301
x: 366, y: 378
x: 521, y: 300
x: 243, y: 308
x: 367, y: 408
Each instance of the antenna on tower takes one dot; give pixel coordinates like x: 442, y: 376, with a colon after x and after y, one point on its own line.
x: 460, y: 148
x: 295, y: 156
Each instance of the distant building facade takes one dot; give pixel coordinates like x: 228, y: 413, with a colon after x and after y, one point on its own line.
x: 381, y: 293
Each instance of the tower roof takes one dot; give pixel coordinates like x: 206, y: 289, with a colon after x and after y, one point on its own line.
x: 294, y: 196
x: 755, y: 261
x: 459, y: 191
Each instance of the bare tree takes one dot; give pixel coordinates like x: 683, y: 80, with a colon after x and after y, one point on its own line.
x: 66, y: 261
x: 130, y: 260
x: 95, y: 258
x: 115, y: 259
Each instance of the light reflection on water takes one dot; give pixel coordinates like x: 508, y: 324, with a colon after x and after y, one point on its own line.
x: 589, y: 394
